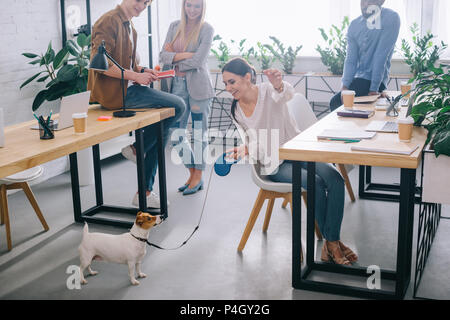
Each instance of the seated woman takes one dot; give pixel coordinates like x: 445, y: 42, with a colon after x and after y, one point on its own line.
x: 264, y: 107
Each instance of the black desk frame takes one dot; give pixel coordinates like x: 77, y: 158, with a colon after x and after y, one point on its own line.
x: 379, y: 191
x: 100, y: 207
x: 402, y: 274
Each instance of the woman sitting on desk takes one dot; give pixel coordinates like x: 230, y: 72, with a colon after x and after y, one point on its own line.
x: 264, y: 107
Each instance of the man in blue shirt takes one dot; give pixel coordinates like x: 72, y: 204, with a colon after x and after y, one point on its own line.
x: 371, y: 40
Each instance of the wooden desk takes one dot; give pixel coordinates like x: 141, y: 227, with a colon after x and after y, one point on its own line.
x: 23, y: 149
x: 306, y: 147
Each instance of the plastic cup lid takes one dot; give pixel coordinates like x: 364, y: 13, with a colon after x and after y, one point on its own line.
x: 349, y: 92
x: 79, y: 115
x: 408, y: 120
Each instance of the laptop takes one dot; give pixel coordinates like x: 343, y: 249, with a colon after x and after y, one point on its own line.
x: 76, y: 103
x: 387, y: 126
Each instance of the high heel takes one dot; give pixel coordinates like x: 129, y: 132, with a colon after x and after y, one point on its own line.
x: 189, y: 191
x: 182, y: 188
x: 327, y: 256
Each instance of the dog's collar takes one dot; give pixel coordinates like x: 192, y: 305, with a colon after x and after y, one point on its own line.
x: 140, y: 239
x: 146, y: 241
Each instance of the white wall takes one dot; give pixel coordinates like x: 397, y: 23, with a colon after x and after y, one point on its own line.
x: 29, y: 26
x: 25, y: 26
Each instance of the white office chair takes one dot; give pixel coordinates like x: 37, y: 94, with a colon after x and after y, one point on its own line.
x: 19, y: 181
x: 269, y: 190
x: 304, y: 116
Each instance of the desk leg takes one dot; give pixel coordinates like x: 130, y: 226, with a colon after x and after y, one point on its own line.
x: 311, y: 218
x: 162, y: 170
x: 296, y: 223
x: 75, y: 187
x: 140, y: 165
x: 97, y: 175
x: 405, y: 231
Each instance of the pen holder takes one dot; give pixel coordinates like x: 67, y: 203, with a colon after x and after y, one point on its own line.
x: 46, y: 131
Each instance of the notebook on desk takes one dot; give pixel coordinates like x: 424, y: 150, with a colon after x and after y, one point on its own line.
x: 386, y: 147
x: 366, y: 99
x: 345, y: 134
x: 365, y: 114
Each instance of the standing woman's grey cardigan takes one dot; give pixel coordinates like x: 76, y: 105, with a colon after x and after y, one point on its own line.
x: 196, y: 68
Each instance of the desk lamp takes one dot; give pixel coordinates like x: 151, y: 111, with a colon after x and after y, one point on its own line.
x: 100, y: 63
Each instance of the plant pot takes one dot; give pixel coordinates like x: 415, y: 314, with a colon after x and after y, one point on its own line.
x: 436, y: 178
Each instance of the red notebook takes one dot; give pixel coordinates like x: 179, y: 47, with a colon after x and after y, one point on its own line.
x: 166, y: 74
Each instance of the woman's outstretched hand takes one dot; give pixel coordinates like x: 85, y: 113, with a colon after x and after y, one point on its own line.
x: 275, y: 77
x: 237, y: 152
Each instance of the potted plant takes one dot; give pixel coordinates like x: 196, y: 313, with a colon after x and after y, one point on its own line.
x: 66, y: 72
x: 242, y: 52
x: 432, y: 110
x: 222, y: 53
x: 333, y: 56
x: 263, y: 56
x: 285, y: 56
x: 422, y: 54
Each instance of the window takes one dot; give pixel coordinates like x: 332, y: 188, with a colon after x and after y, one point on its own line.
x: 297, y: 22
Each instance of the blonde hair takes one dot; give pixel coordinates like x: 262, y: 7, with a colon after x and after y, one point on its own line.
x: 192, y: 37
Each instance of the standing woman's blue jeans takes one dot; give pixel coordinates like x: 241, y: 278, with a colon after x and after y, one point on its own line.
x: 199, y: 111
x: 145, y: 97
x: 330, y: 194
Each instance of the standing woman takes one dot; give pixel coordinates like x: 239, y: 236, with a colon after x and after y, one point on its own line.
x: 264, y: 107
x: 187, y: 47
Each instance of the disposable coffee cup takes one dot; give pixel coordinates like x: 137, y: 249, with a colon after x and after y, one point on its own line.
x: 79, y: 122
x: 348, y: 98
x: 405, y: 88
x: 405, y: 129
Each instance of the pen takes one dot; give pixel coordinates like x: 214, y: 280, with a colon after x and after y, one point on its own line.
x: 48, y: 119
x: 343, y: 139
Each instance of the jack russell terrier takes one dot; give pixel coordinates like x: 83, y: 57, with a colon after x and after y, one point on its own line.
x: 127, y: 248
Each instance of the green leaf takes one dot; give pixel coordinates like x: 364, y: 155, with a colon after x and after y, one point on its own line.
x: 73, y: 48
x: 43, y: 78
x: 39, y: 99
x: 81, y: 40
x: 442, y: 143
x: 59, y: 90
x: 60, y: 58
x: 30, y: 55
x: 30, y: 79
x: 35, y: 61
x: 67, y: 73
x: 49, y: 56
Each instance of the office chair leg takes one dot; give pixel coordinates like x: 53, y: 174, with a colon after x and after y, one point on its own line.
x: 4, y: 205
x: 34, y: 204
x: 347, y: 181
x: 268, y: 214
x: 252, y: 219
x: 285, y: 203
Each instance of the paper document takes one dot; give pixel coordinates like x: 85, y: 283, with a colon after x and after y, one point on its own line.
x: 345, y: 134
x: 366, y: 99
x: 386, y: 147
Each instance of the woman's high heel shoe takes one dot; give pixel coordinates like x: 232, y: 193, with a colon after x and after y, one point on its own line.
x: 184, y: 187
x: 189, y: 191
x: 328, y: 255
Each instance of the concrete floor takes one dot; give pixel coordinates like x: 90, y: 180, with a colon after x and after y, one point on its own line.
x: 209, y: 266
